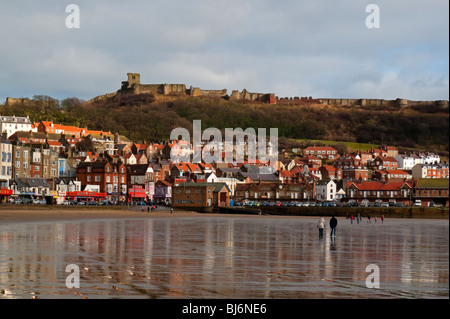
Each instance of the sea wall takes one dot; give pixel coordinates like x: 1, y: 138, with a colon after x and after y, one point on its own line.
x: 387, y: 212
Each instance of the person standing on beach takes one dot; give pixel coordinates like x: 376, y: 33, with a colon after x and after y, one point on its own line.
x: 351, y: 218
x: 171, y: 210
x: 333, y: 224
x: 382, y: 219
x: 321, y: 226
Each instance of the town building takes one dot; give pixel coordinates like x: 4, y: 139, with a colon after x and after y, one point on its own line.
x: 432, y: 190
x: 439, y: 170
x: 196, y: 195
x: 6, y: 172
x: 110, y: 177
x: 324, y: 152
x: 371, y: 191
x: 163, y: 192
x: 326, y: 190
x: 11, y: 124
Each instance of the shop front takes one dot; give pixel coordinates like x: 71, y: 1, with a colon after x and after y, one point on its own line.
x: 137, y: 194
x: 85, y: 196
x: 5, y: 194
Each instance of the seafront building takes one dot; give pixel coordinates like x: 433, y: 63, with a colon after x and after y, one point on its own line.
x: 57, y: 163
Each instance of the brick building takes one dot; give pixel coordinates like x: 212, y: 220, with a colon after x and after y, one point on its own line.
x: 110, y: 177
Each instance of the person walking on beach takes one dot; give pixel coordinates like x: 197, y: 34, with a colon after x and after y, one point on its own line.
x: 171, y: 210
x: 382, y: 219
x: 351, y: 218
x: 368, y: 218
x: 333, y: 224
x: 321, y: 226
x: 148, y: 209
x: 358, y: 218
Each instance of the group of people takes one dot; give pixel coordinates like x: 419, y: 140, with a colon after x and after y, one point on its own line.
x: 359, y: 218
x: 153, y: 208
x: 334, y: 222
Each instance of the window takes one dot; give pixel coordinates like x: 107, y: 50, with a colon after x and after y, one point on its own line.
x: 89, y: 169
x: 108, y: 179
x: 97, y: 178
x: 88, y: 178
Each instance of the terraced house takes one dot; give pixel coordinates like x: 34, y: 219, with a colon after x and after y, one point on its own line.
x: 110, y: 177
x: 5, y: 162
x: 432, y: 190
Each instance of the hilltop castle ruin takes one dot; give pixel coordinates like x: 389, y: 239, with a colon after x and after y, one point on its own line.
x: 133, y: 85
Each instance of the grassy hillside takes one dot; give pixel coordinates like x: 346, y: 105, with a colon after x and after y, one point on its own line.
x: 144, y: 117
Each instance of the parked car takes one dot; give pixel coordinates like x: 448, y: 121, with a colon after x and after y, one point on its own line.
x: 312, y: 204
x: 417, y: 203
x: 400, y: 205
x: 319, y: 204
x: 351, y: 203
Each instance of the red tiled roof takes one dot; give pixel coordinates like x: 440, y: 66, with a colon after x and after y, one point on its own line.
x: 375, y: 186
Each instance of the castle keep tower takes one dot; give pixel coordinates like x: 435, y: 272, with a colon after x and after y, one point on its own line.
x: 134, y: 81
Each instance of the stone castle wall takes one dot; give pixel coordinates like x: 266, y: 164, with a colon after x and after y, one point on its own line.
x: 15, y: 101
x: 134, y: 85
x: 402, y: 103
x: 197, y: 92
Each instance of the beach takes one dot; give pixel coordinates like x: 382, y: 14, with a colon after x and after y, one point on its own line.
x: 11, y: 214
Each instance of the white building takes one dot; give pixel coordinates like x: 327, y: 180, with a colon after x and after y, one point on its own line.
x: 326, y: 190
x: 405, y: 161
x: 430, y: 158
x: 13, y: 124
x: 5, y: 162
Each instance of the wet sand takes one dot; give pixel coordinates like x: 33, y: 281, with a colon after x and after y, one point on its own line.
x: 127, y: 254
x: 41, y: 214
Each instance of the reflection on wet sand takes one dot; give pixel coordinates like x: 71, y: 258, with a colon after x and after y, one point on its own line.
x: 224, y: 257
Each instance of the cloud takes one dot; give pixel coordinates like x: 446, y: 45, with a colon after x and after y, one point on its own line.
x: 290, y: 47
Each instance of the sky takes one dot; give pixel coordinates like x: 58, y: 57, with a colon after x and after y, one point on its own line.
x: 322, y: 48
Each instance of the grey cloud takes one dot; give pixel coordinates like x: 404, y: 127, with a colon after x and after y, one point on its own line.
x: 306, y: 48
